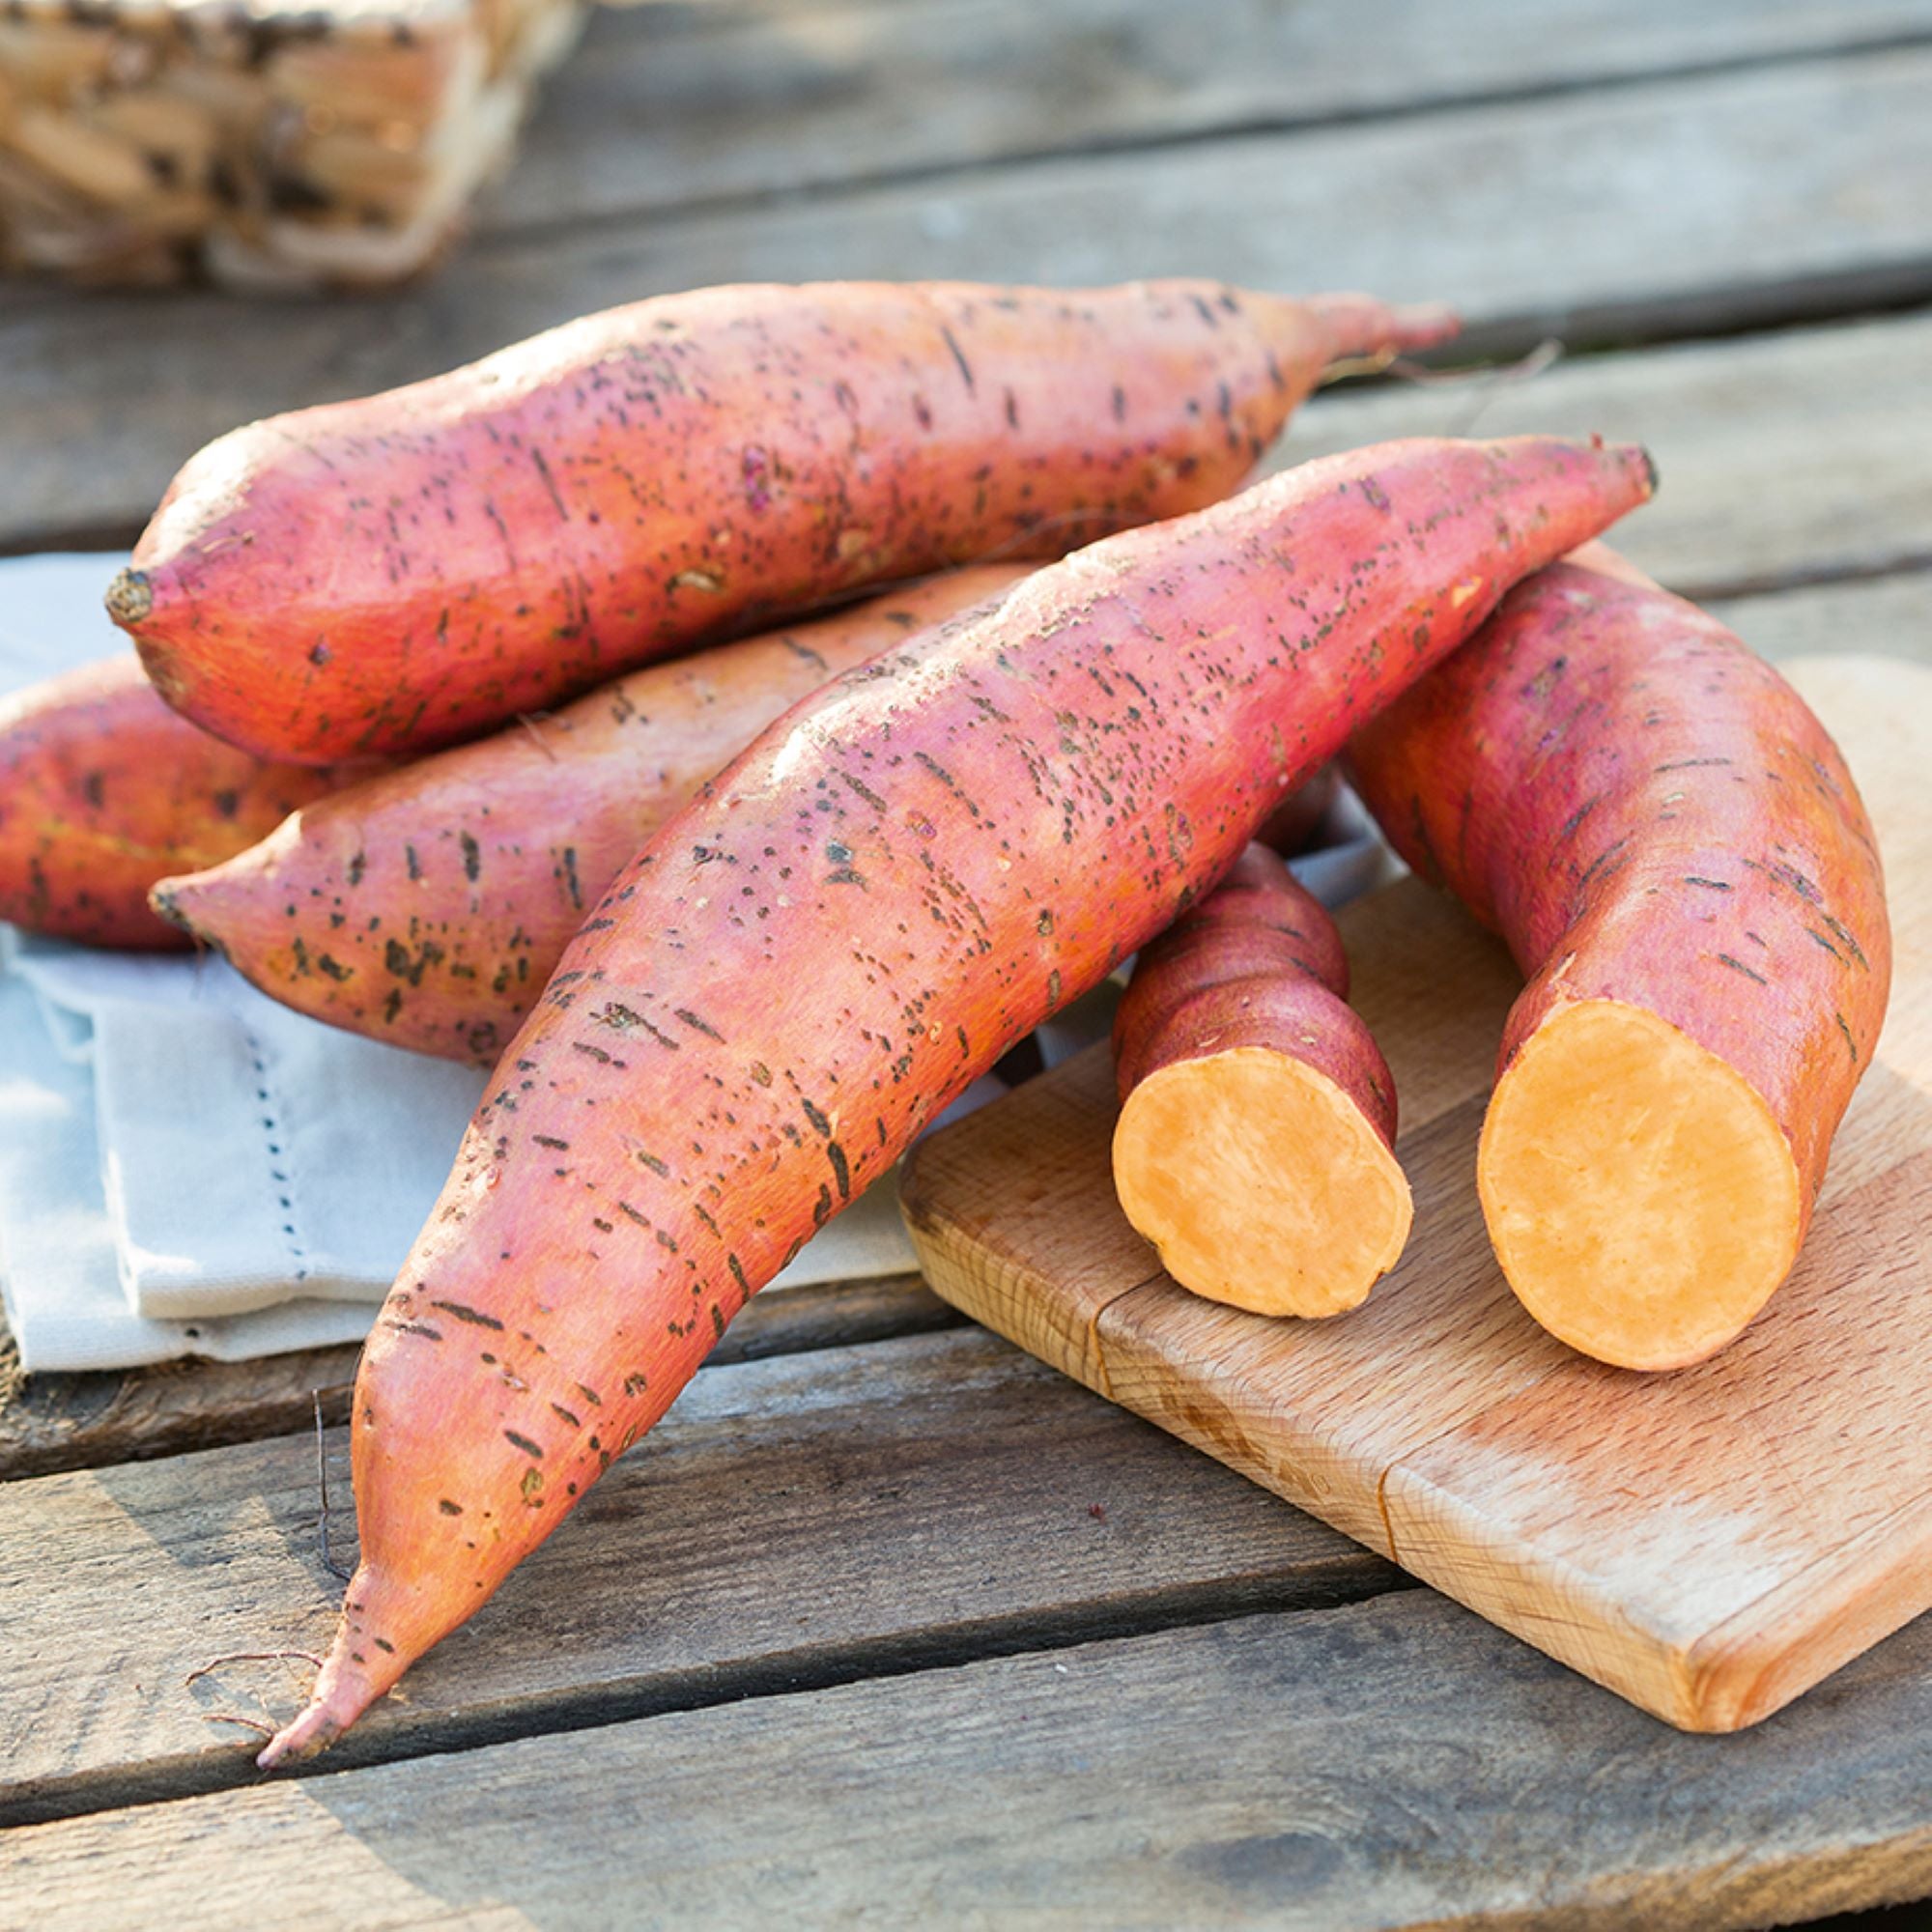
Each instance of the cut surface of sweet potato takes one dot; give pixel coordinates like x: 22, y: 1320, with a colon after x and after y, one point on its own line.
x: 1260, y: 1183
x: 1642, y: 1201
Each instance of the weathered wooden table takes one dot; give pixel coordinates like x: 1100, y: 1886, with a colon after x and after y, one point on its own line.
x: 887, y: 1623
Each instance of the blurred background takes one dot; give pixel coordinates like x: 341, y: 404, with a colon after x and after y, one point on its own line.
x: 1723, y: 212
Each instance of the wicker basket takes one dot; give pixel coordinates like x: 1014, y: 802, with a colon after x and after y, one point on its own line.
x: 268, y: 146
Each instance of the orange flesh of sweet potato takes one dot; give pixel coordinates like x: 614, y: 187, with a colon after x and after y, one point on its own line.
x: 104, y: 790
x: 895, y: 882
x: 427, y: 907
x: 1677, y: 856
x: 1254, y: 1142
x: 410, y: 569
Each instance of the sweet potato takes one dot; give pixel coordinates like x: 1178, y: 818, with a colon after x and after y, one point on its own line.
x: 895, y: 882
x: 1291, y: 827
x: 1677, y: 857
x: 410, y: 569
x: 427, y: 907
x: 103, y: 791
x: 1254, y: 1146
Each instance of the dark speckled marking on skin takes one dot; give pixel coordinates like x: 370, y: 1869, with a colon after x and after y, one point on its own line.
x: 522, y: 1442
x: 959, y: 358
x: 1845, y: 938
x: 463, y: 1312
x: 405, y: 965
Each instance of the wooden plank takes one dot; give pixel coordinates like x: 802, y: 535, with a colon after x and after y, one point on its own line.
x: 1890, y: 614
x: 1692, y: 203
x: 1395, y: 1763
x: 1709, y: 1543
x: 803, y: 1520
x: 1784, y: 457
x: 52, y: 1422
x: 668, y: 108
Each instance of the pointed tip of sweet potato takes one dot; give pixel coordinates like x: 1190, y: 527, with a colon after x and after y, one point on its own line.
x: 181, y: 902
x: 361, y: 1666
x: 1361, y: 333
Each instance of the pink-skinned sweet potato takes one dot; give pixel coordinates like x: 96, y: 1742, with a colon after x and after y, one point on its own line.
x: 427, y: 907
x: 1291, y: 827
x: 1256, y: 1142
x: 410, y: 569
x: 895, y: 882
x: 104, y: 790
x: 1677, y: 856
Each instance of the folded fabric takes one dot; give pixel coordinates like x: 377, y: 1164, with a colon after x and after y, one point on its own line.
x: 59, y: 1267
x: 249, y: 1154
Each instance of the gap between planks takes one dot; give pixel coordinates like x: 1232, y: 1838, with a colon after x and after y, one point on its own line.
x: 598, y: 1707
x: 861, y: 1512
x: 53, y: 1422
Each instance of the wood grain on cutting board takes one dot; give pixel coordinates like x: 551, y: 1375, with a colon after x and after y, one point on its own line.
x: 1708, y: 1543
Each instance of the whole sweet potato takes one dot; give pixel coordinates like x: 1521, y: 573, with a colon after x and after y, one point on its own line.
x: 103, y: 791
x: 427, y: 907
x: 895, y: 882
x: 1677, y: 856
x: 403, y: 571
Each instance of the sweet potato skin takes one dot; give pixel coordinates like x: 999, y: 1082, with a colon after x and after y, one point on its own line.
x: 409, y: 569
x: 427, y: 907
x: 1293, y: 826
x: 894, y: 882
x: 1258, y: 962
x: 103, y: 791
x: 1649, y: 814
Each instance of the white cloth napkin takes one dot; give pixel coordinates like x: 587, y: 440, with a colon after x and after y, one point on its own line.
x: 188, y: 1168
x: 58, y: 1263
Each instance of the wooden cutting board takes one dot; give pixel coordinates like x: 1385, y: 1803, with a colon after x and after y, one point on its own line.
x: 1709, y: 1543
